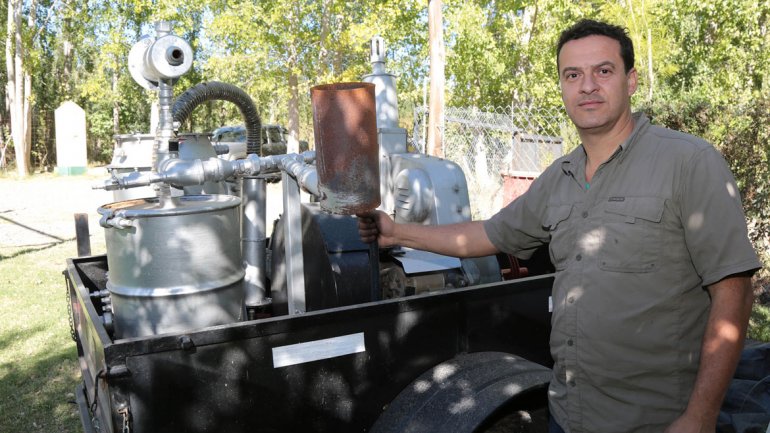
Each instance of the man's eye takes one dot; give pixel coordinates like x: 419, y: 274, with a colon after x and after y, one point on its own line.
x: 605, y: 71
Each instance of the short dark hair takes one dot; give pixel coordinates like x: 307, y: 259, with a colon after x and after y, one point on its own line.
x: 584, y: 28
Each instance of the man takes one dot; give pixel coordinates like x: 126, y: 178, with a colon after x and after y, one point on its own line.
x: 645, y: 228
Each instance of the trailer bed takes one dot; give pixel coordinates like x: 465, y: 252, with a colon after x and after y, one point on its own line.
x: 325, y: 371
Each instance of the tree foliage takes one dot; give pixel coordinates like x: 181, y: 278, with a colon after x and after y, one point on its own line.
x: 702, y: 65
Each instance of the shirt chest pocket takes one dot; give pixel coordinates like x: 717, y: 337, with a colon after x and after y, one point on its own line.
x: 561, y: 242
x: 634, y: 236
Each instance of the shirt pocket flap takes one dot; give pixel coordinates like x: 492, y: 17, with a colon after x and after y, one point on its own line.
x: 555, y: 215
x: 646, y: 208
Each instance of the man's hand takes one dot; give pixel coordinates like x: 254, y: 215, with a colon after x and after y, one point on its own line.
x: 688, y: 424
x: 466, y: 239
x: 376, y: 226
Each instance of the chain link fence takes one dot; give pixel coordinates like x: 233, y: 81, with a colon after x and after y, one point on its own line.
x: 501, y: 150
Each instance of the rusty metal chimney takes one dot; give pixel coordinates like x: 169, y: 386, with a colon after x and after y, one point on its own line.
x: 347, y: 151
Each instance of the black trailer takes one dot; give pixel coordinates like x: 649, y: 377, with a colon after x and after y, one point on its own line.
x: 453, y: 360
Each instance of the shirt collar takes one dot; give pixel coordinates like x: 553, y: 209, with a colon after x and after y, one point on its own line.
x: 576, y: 160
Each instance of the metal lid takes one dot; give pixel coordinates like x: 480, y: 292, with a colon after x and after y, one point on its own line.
x: 184, y: 205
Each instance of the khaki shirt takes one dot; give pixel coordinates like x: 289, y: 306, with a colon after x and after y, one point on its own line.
x: 661, y: 219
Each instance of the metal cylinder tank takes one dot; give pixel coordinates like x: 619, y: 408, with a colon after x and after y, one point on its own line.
x: 175, y: 267
x: 132, y: 153
x: 347, y: 151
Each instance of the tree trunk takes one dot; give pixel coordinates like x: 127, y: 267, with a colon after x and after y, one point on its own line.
x: 295, y: 12
x: 27, y: 113
x: 67, y: 72
x: 14, y: 65
x: 3, y: 141
x: 10, y: 85
x: 27, y: 108
x: 115, y: 102
x: 323, y: 51
x: 650, y: 73
x: 293, y: 145
x: 436, y: 101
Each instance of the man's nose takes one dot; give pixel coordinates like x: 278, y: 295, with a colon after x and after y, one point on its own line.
x: 588, y: 84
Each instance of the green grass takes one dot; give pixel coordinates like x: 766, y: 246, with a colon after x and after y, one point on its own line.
x: 38, y: 359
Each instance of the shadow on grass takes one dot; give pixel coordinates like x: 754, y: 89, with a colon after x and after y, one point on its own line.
x: 32, y: 229
x: 33, y: 249
x: 7, y: 338
x: 37, y: 392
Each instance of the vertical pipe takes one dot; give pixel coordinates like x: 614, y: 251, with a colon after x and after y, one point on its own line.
x: 374, y: 262
x: 164, y: 133
x: 165, y: 97
x: 165, y: 129
x: 295, y: 270
x: 253, y: 243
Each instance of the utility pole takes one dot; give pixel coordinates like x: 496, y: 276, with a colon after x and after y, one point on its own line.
x: 437, y: 59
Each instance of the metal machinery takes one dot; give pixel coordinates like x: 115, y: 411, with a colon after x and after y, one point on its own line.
x: 196, y: 321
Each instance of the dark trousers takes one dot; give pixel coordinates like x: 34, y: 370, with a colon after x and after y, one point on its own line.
x: 553, y: 426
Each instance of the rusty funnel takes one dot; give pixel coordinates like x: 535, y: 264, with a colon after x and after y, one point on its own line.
x: 347, y: 151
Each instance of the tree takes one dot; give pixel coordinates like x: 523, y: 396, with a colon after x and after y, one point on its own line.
x: 16, y: 91
x: 276, y: 51
x: 3, y: 91
x: 501, y: 52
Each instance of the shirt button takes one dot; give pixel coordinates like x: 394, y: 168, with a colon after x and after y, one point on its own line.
x: 584, y: 214
x: 570, y: 342
x: 571, y: 299
x: 578, y: 257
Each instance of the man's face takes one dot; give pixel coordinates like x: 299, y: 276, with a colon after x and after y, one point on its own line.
x: 594, y: 85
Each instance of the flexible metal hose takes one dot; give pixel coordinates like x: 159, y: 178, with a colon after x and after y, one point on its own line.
x: 215, y: 90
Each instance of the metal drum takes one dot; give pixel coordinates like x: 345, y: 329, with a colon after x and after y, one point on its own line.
x: 175, y: 267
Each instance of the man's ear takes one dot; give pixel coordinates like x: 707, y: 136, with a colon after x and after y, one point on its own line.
x: 633, y: 81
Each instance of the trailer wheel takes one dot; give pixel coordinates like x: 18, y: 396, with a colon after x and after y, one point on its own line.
x: 525, y: 413
x: 472, y: 392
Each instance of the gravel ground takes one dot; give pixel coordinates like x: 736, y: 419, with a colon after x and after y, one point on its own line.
x: 40, y: 210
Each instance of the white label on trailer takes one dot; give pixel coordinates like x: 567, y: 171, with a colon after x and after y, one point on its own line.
x: 320, y: 349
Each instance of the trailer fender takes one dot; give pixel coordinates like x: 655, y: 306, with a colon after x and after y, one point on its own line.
x: 459, y: 394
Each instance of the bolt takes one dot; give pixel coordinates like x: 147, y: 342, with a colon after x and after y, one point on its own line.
x: 186, y: 343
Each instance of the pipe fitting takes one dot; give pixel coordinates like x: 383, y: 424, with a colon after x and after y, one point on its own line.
x: 181, y: 172
x: 305, y: 174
